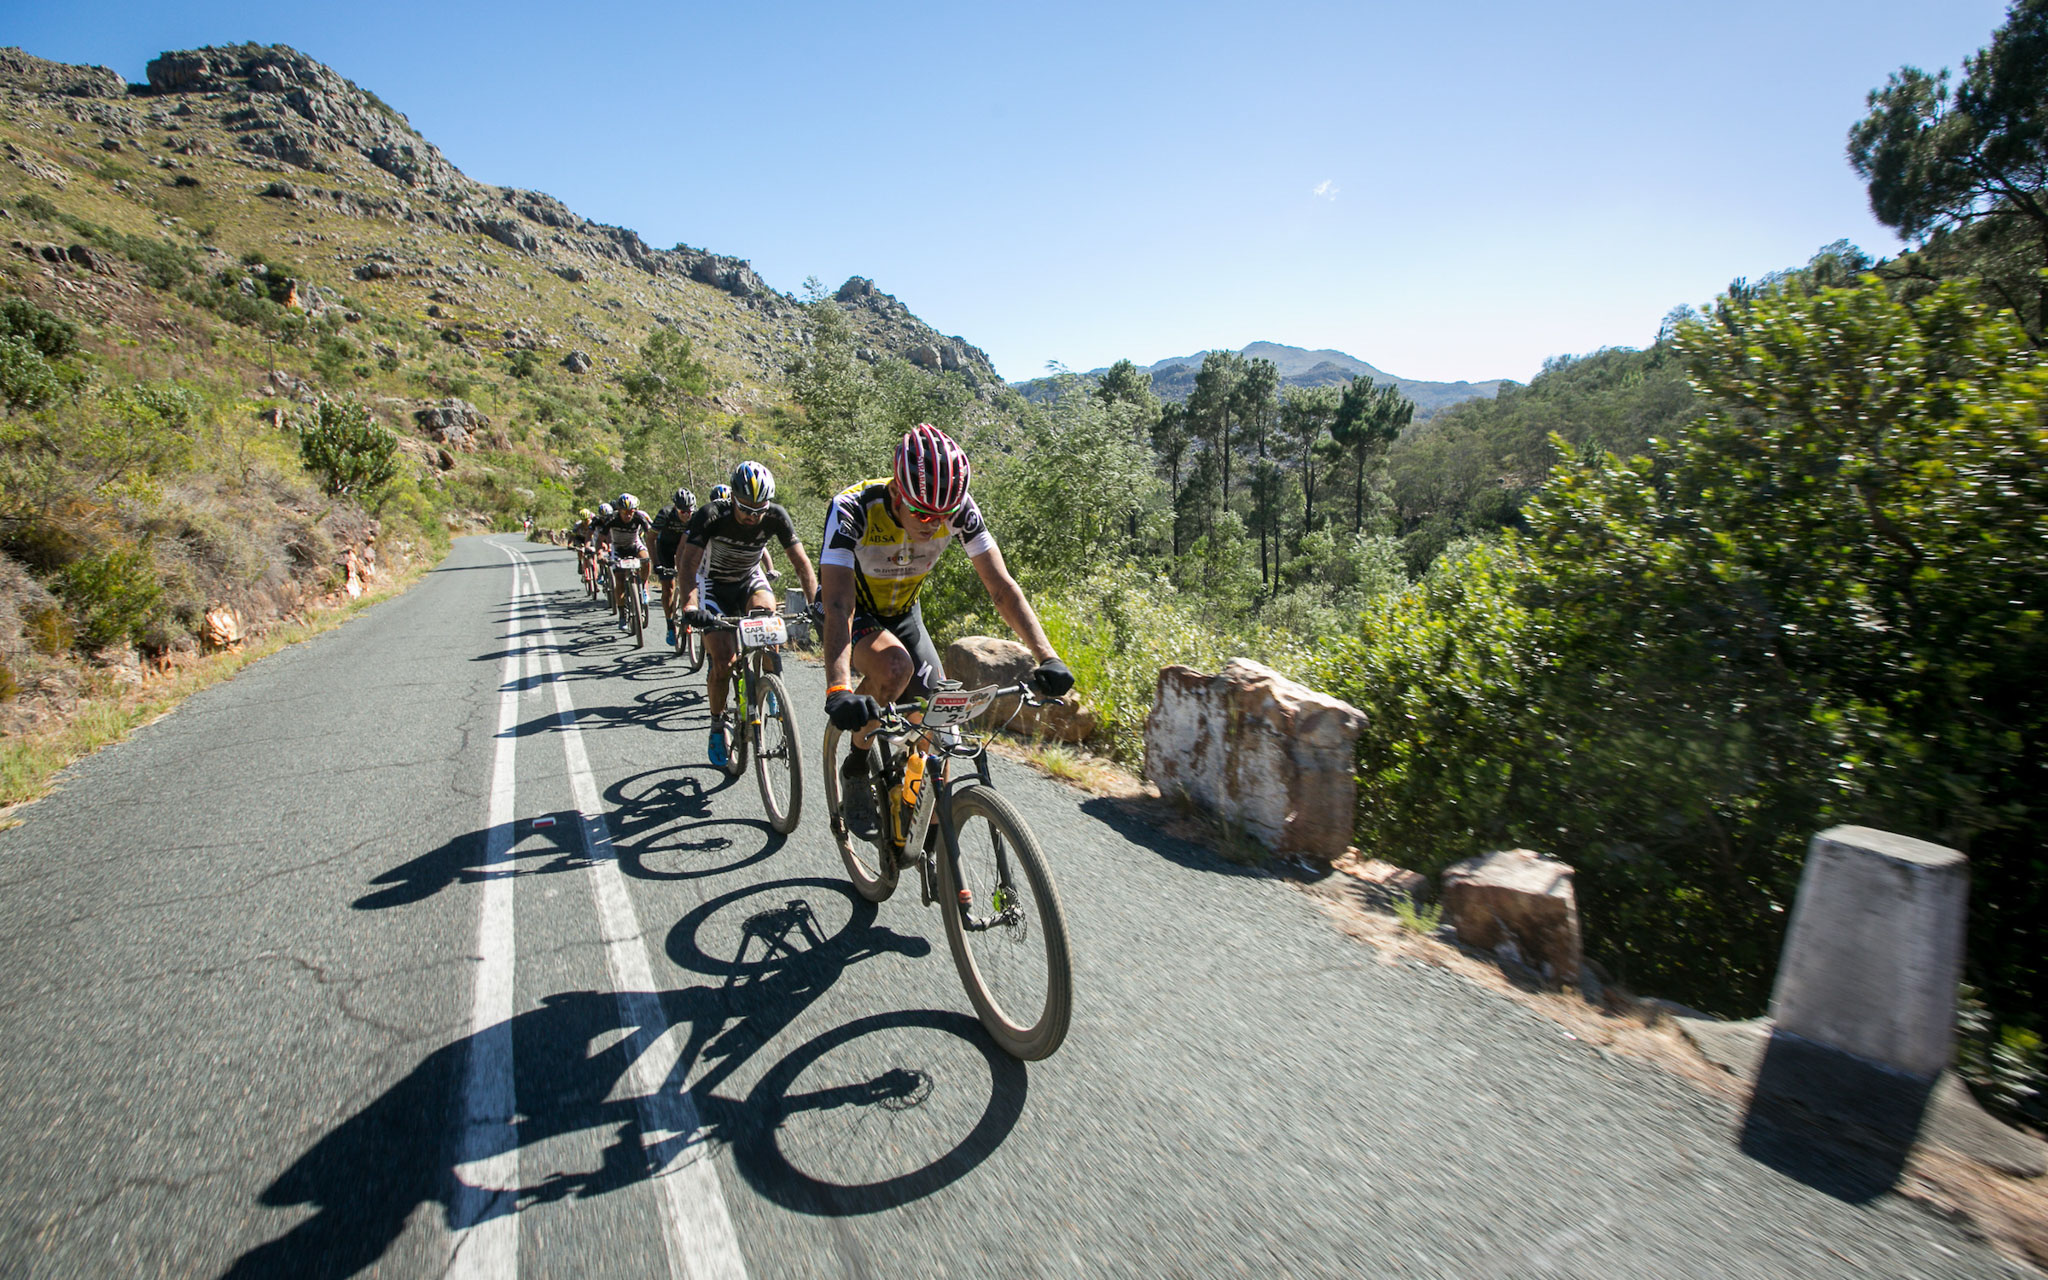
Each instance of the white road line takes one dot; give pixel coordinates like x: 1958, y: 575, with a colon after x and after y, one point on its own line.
x: 484, y: 1209
x: 696, y: 1228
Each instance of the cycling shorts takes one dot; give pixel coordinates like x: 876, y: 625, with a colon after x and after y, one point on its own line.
x: 665, y: 547
x: 730, y: 599
x: 908, y: 628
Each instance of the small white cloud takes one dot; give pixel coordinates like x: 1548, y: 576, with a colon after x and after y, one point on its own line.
x: 1326, y: 189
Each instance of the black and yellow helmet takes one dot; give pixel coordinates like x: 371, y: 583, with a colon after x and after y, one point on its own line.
x: 753, y: 487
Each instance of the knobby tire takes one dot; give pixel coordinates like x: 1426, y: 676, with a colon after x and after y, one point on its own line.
x: 778, y: 758
x: 873, y: 875
x: 1018, y: 976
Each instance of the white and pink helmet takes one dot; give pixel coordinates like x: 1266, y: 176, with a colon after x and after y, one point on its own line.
x: 931, y: 472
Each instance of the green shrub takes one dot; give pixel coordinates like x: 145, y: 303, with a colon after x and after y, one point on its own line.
x: 346, y: 449
x: 26, y: 378
x: 52, y: 336
x: 112, y: 595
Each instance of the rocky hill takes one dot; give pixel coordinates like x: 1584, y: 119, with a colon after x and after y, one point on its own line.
x: 215, y: 251
x: 1174, y: 377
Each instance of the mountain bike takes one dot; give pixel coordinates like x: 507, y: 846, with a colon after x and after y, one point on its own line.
x: 975, y: 858
x: 626, y: 592
x: 766, y: 721
x: 689, y: 640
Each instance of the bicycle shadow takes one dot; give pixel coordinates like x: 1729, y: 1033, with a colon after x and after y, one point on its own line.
x: 365, y: 1178
x: 663, y: 827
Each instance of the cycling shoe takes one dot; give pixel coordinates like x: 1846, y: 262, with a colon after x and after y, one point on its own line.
x: 720, y: 749
x: 857, y: 797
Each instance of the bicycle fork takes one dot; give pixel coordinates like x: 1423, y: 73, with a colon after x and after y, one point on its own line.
x: 935, y: 799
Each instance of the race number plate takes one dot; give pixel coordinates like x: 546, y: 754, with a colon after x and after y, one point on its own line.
x: 955, y: 705
x: 628, y: 562
x: 758, y: 632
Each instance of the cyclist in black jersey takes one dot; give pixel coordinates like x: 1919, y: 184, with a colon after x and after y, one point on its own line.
x: 721, y: 566
x: 882, y: 538
x: 668, y: 547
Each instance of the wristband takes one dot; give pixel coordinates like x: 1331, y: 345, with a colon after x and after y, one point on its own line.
x: 838, y: 688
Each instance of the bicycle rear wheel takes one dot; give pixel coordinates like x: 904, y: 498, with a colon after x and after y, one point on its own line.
x: 778, y: 759
x: 1005, y: 927
x: 872, y: 871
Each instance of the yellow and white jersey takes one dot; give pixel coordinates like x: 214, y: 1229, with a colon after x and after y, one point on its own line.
x: 888, y: 567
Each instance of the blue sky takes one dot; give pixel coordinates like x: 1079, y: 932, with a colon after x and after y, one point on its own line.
x: 1447, y: 191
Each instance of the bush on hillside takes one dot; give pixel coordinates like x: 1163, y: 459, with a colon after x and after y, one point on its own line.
x: 346, y: 449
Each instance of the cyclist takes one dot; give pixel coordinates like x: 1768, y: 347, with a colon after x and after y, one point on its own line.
x: 721, y: 562
x: 579, y: 537
x: 627, y: 531
x: 668, y: 546
x: 882, y: 538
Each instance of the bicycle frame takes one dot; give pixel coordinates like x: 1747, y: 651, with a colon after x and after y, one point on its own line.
x: 938, y: 748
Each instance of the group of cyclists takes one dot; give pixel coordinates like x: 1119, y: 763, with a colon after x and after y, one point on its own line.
x: 882, y: 538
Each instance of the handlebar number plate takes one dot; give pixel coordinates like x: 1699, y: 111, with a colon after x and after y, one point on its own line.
x: 756, y: 633
x: 956, y: 705
x: 627, y: 562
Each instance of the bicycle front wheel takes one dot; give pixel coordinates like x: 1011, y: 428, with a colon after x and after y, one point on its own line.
x: 778, y: 761
x: 638, y: 607
x: 869, y: 866
x: 690, y: 643
x: 1005, y: 927
x: 742, y: 711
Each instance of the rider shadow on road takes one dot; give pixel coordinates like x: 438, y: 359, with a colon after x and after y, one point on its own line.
x: 367, y: 1177
x: 464, y: 860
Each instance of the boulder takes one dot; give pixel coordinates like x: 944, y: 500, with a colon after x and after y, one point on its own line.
x: 574, y: 275
x: 925, y: 357
x: 980, y: 661
x: 510, y: 234
x: 222, y: 628
x: 576, y: 362
x: 454, y: 423
x: 1519, y: 905
x: 1260, y: 750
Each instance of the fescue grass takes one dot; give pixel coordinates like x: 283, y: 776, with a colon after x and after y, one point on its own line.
x: 30, y: 763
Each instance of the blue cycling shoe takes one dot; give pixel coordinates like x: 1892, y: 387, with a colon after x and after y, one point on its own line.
x: 720, y: 749
x: 671, y: 641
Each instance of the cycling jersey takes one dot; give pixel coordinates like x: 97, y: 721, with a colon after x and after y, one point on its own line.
x: 888, y: 567
x: 627, y: 530
x: 579, y: 533
x: 671, y: 522
x: 732, y: 550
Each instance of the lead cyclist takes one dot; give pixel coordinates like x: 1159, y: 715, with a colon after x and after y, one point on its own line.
x: 882, y: 538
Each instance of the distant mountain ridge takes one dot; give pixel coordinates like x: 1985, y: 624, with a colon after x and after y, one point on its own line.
x: 1174, y: 377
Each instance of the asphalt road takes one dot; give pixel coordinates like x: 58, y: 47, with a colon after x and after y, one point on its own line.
x: 293, y: 983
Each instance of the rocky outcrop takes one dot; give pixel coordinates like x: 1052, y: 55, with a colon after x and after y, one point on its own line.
x: 299, y: 111
x: 39, y: 75
x: 455, y: 424
x: 981, y: 661
x: 1259, y: 750
x: 1520, y: 906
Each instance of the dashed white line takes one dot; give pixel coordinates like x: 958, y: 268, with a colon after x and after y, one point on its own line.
x: 696, y: 1228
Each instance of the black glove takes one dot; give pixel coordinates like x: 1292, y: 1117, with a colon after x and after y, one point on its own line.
x: 1051, y: 678
x: 699, y: 619
x: 850, y: 711
x: 815, y: 611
